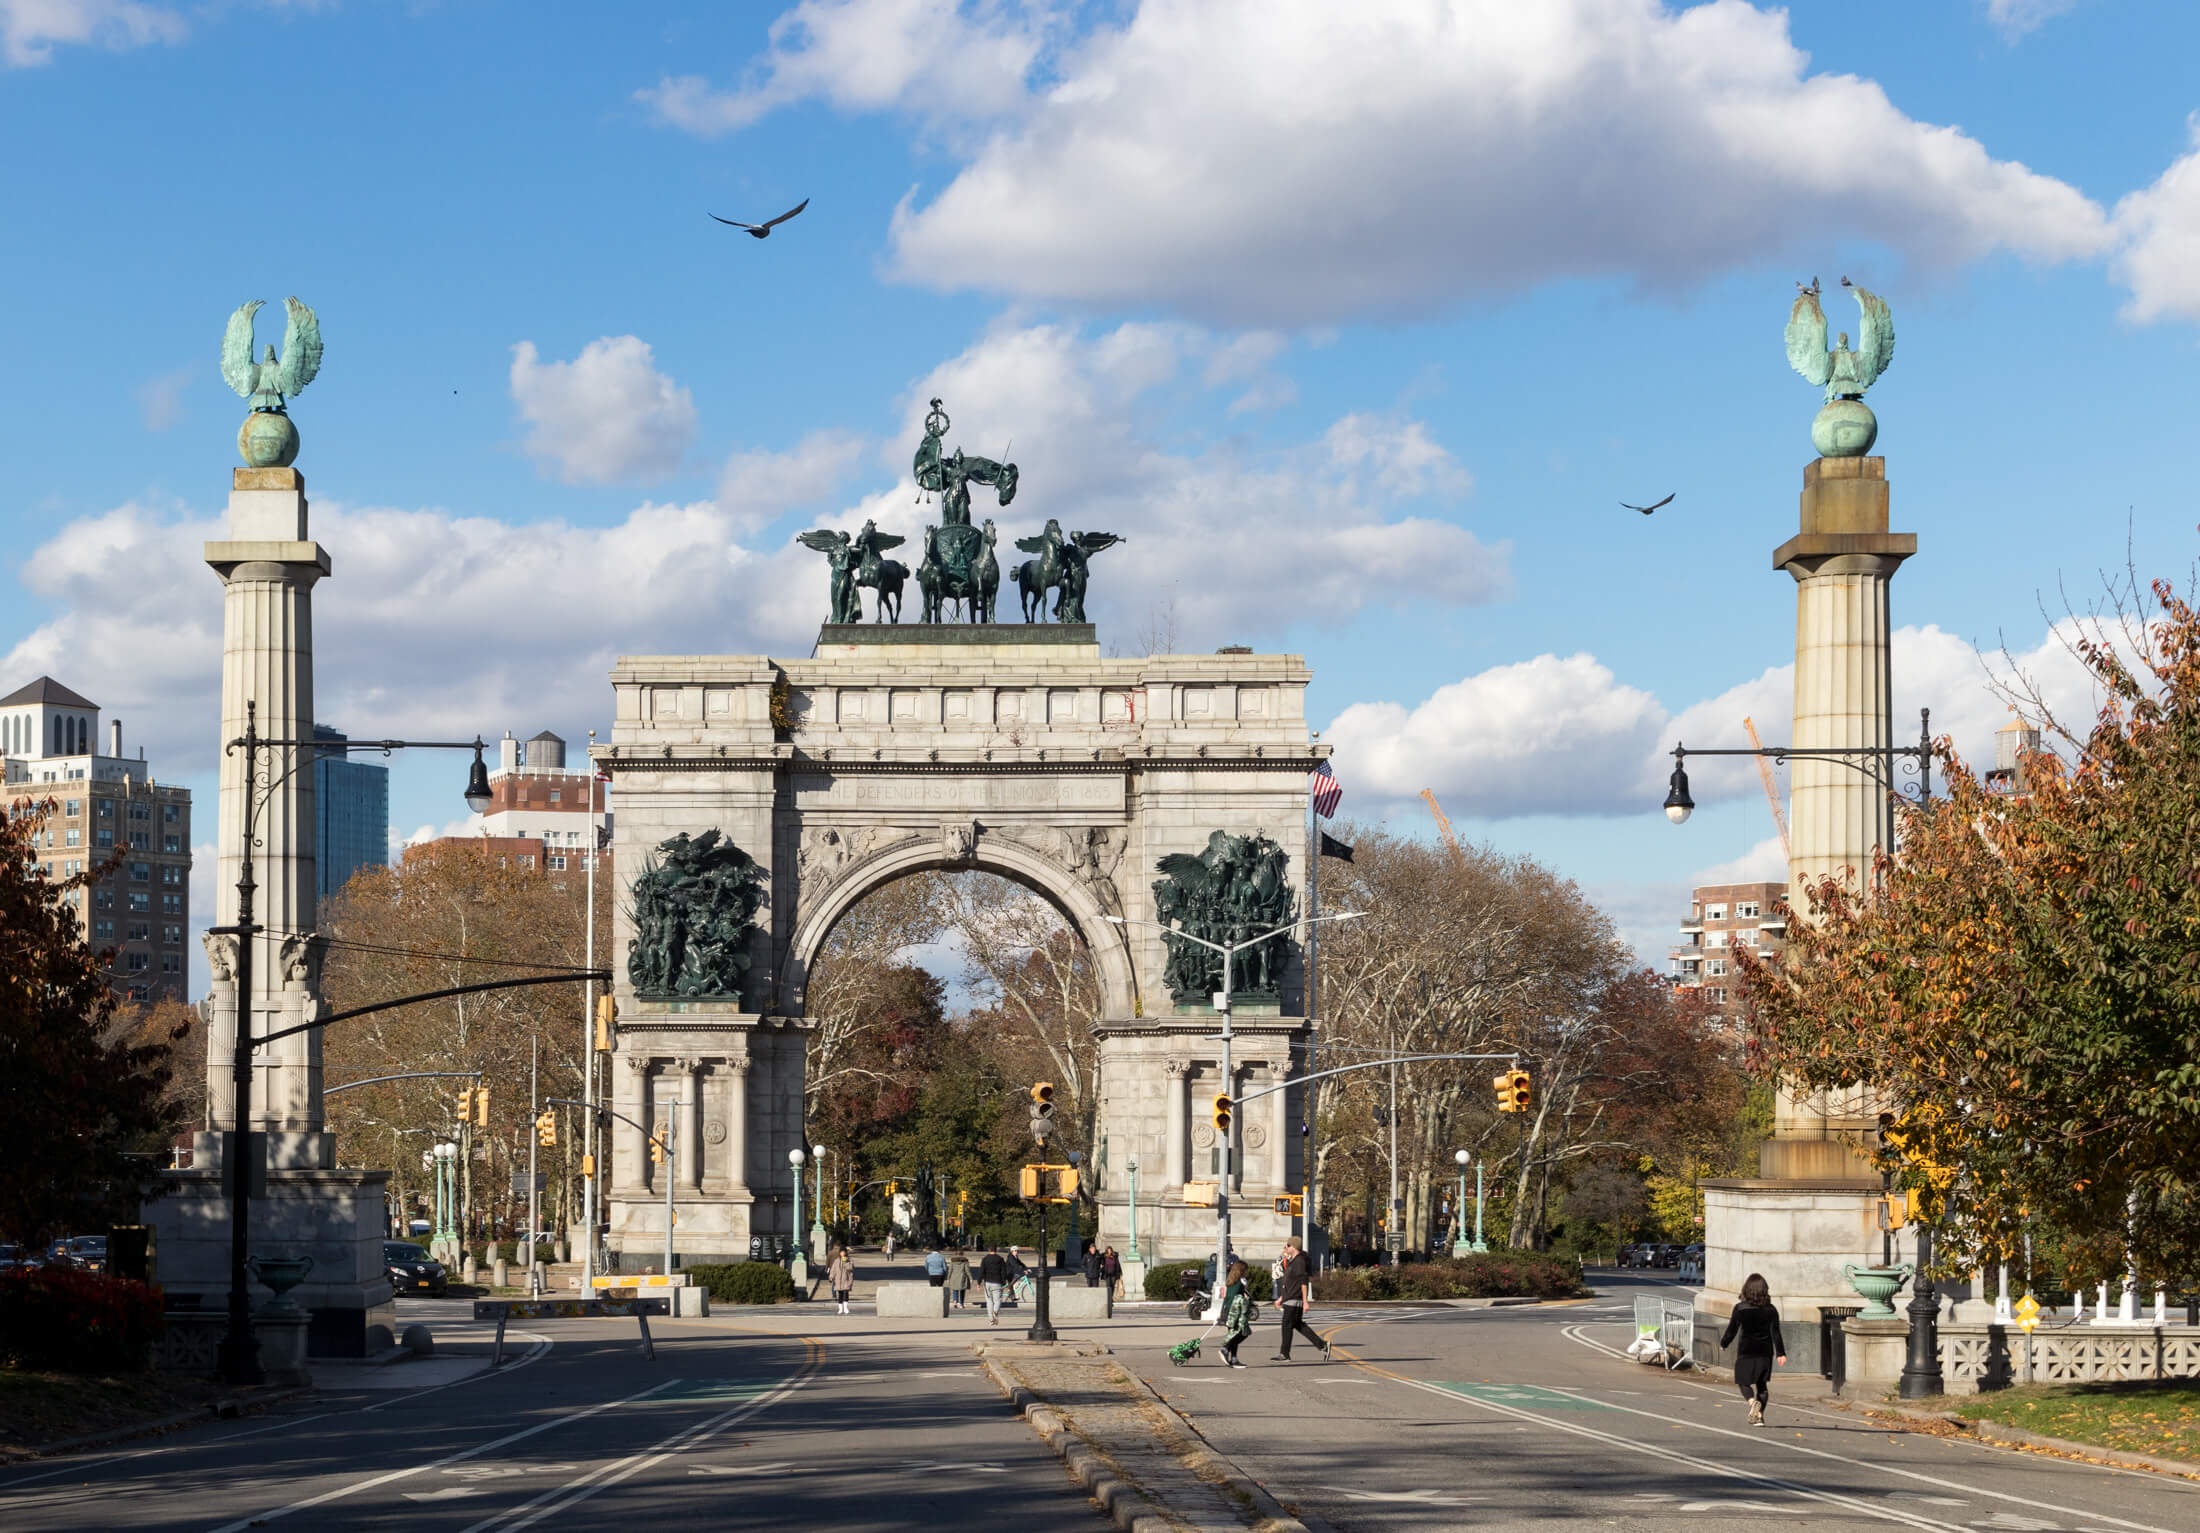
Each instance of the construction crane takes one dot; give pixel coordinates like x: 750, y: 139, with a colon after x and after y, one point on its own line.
x: 1443, y: 825
x: 1772, y: 790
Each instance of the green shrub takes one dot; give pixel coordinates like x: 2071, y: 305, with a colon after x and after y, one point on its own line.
x: 1497, y: 1275
x: 744, y: 1282
x: 77, y: 1322
x: 1163, y: 1280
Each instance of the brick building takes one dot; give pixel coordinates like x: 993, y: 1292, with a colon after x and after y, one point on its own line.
x: 1721, y: 918
x: 106, y: 806
x: 534, y: 797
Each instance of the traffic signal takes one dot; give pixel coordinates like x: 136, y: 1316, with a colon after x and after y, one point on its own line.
x: 546, y: 1129
x: 481, y: 1108
x: 656, y: 1150
x: 1222, y: 1114
x: 1513, y: 1091
x: 1042, y: 1100
x: 1291, y: 1203
x: 588, y: 1165
x: 607, y: 1017
x: 1068, y: 1183
x: 465, y: 1104
x: 1027, y: 1182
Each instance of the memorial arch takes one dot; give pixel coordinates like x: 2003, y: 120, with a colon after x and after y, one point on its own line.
x: 1014, y: 750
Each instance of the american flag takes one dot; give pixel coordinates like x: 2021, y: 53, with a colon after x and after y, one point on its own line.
x: 1328, y: 792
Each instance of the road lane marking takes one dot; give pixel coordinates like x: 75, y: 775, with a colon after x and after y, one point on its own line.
x: 574, y: 1491
x: 460, y: 1457
x: 1404, y: 1497
x: 447, y: 1493
x: 723, y: 1469
x: 1912, y: 1474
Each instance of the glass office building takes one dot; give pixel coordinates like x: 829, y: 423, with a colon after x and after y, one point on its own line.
x: 351, y: 800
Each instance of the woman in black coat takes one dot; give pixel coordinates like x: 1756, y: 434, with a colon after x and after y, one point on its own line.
x: 1757, y: 1323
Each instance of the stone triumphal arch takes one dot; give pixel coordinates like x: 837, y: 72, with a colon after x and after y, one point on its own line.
x: 760, y: 799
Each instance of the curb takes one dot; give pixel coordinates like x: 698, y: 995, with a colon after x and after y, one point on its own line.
x: 2018, y: 1437
x: 1130, y: 1508
x: 225, y: 1408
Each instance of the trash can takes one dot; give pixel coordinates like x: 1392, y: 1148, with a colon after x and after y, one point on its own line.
x: 1833, y: 1349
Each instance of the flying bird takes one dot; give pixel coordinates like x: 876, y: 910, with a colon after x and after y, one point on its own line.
x: 1646, y: 510
x: 763, y: 231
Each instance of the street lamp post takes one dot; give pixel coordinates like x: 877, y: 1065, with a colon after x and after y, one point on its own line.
x: 1131, y: 1166
x: 1921, y: 1376
x: 1229, y: 952
x: 238, y: 1359
x: 797, y: 1268
x: 1042, y: 1309
x: 817, y: 1210
x: 1460, y: 1245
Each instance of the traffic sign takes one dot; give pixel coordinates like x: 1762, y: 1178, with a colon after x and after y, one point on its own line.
x: 2028, y: 1314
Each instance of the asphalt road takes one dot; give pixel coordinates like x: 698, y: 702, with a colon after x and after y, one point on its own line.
x: 1530, y: 1418
x: 730, y: 1427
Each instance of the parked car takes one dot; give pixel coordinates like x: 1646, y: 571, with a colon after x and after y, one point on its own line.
x: 1636, y: 1253
x: 85, y: 1253
x: 12, y: 1256
x: 413, y: 1270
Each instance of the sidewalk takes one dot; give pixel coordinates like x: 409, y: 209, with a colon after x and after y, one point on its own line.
x: 1137, y: 1457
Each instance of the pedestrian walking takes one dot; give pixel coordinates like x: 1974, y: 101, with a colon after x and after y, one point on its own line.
x: 1757, y: 1322
x: 1111, y: 1271
x: 840, y: 1276
x: 1294, y: 1293
x: 935, y: 1266
x: 993, y: 1273
x: 1091, y: 1264
x: 958, y: 1277
x: 1237, y: 1315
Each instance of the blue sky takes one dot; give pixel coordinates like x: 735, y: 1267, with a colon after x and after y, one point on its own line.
x: 1358, y: 320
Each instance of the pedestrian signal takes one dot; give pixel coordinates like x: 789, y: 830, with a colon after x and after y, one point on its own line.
x: 1222, y: 1113
x: 1292, y: 1204
x: 588, y: 1165
x: 1045, y: 1183
x: 546, y: 1129
x: 1513, y: 1091
x: 481, y: 1108
x: 1027, y: 1185
x: 607, y: 1017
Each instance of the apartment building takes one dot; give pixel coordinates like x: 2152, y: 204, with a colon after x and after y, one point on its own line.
x: 108, y: 809
x: 1722, y: 918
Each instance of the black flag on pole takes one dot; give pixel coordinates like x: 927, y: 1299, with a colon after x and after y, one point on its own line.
x: 1332, y: 847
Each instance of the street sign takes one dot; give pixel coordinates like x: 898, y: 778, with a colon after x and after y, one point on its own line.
x: 1199, y: 1194
x: 2028, y: 1314
x: 520, y: 1179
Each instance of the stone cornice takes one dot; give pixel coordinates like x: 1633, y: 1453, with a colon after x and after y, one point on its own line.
x: 959, y: 762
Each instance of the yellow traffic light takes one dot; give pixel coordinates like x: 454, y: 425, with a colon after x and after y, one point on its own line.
x: 588, y: 1165
x: 1068, y: 1182
x: 1042, y: 1097
x: 1027, y: 1182
x: 1222, y: 1113
x: 656, y: 1150
x: 465, y: 1104
x: 1513, y: 1091
x: 607, y: 1017
x: 1523, y: 1091
x: 1501, y: 1083
x: 481, y: 1108
x: 546, y: 1129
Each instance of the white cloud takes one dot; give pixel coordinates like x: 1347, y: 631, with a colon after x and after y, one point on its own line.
x: 2159, y: 226
x: 160, y: 400
x: 1292, y: 162
x: 936, y: 58
x: 606, y: 417
x: 1563, y: 736
x: 1764, y: 863
x: 757, y: 486
x: 30, y: 29
x: 2017, y: 17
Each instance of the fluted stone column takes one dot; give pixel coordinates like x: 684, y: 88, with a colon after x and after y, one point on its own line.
x: 1843, y: 561
x: 737, y: 1123
x: 268, y: 567
x: 1177, y: 1083
x: 691, y: 1131
x: 633, y: 1167
x: 1279, y: 1128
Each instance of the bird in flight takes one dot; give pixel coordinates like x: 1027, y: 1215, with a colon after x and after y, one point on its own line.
x: 1646, y: 510
x: 763, y: 231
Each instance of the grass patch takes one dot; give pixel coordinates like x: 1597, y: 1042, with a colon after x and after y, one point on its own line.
x: 38, y: 1408
x: 2157, y: 1417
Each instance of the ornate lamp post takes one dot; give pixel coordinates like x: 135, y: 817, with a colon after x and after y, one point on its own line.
x: 817, y: 1210
x: 797, y: 1268
x: 1131, y: 1165
x: 1460, y: 1245
x: 1042, y: 1310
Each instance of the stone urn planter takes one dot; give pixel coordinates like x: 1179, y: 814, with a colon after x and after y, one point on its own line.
x: 1877, y: 1285
x: 282, y: 1274
x: 279, y: 1324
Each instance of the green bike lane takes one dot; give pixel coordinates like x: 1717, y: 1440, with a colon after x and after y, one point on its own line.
x: 1533, y: 1418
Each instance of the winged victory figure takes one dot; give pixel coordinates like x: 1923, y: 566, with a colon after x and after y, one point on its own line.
x: 1844, y: 374
x: 841, y: 553
x: 1062, y: 565
x: 270, y: 382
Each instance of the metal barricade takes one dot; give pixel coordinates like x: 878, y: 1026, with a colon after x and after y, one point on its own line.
x: 504, y: 1310
x: 1672, y: 1322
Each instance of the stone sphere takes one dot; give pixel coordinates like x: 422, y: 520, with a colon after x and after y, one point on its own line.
x: 419, y: 1340
x: 1846, y: 428
x: 268, y: 440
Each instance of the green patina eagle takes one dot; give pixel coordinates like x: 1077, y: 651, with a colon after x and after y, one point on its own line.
x: 270, y: 382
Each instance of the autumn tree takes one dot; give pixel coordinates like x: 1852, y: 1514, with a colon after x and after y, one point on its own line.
x: 84, y: 1111
x: 2024, y: 981
x: 453, y: 913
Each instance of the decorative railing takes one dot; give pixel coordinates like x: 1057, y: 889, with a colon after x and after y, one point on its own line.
x: 1975, y: 1357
